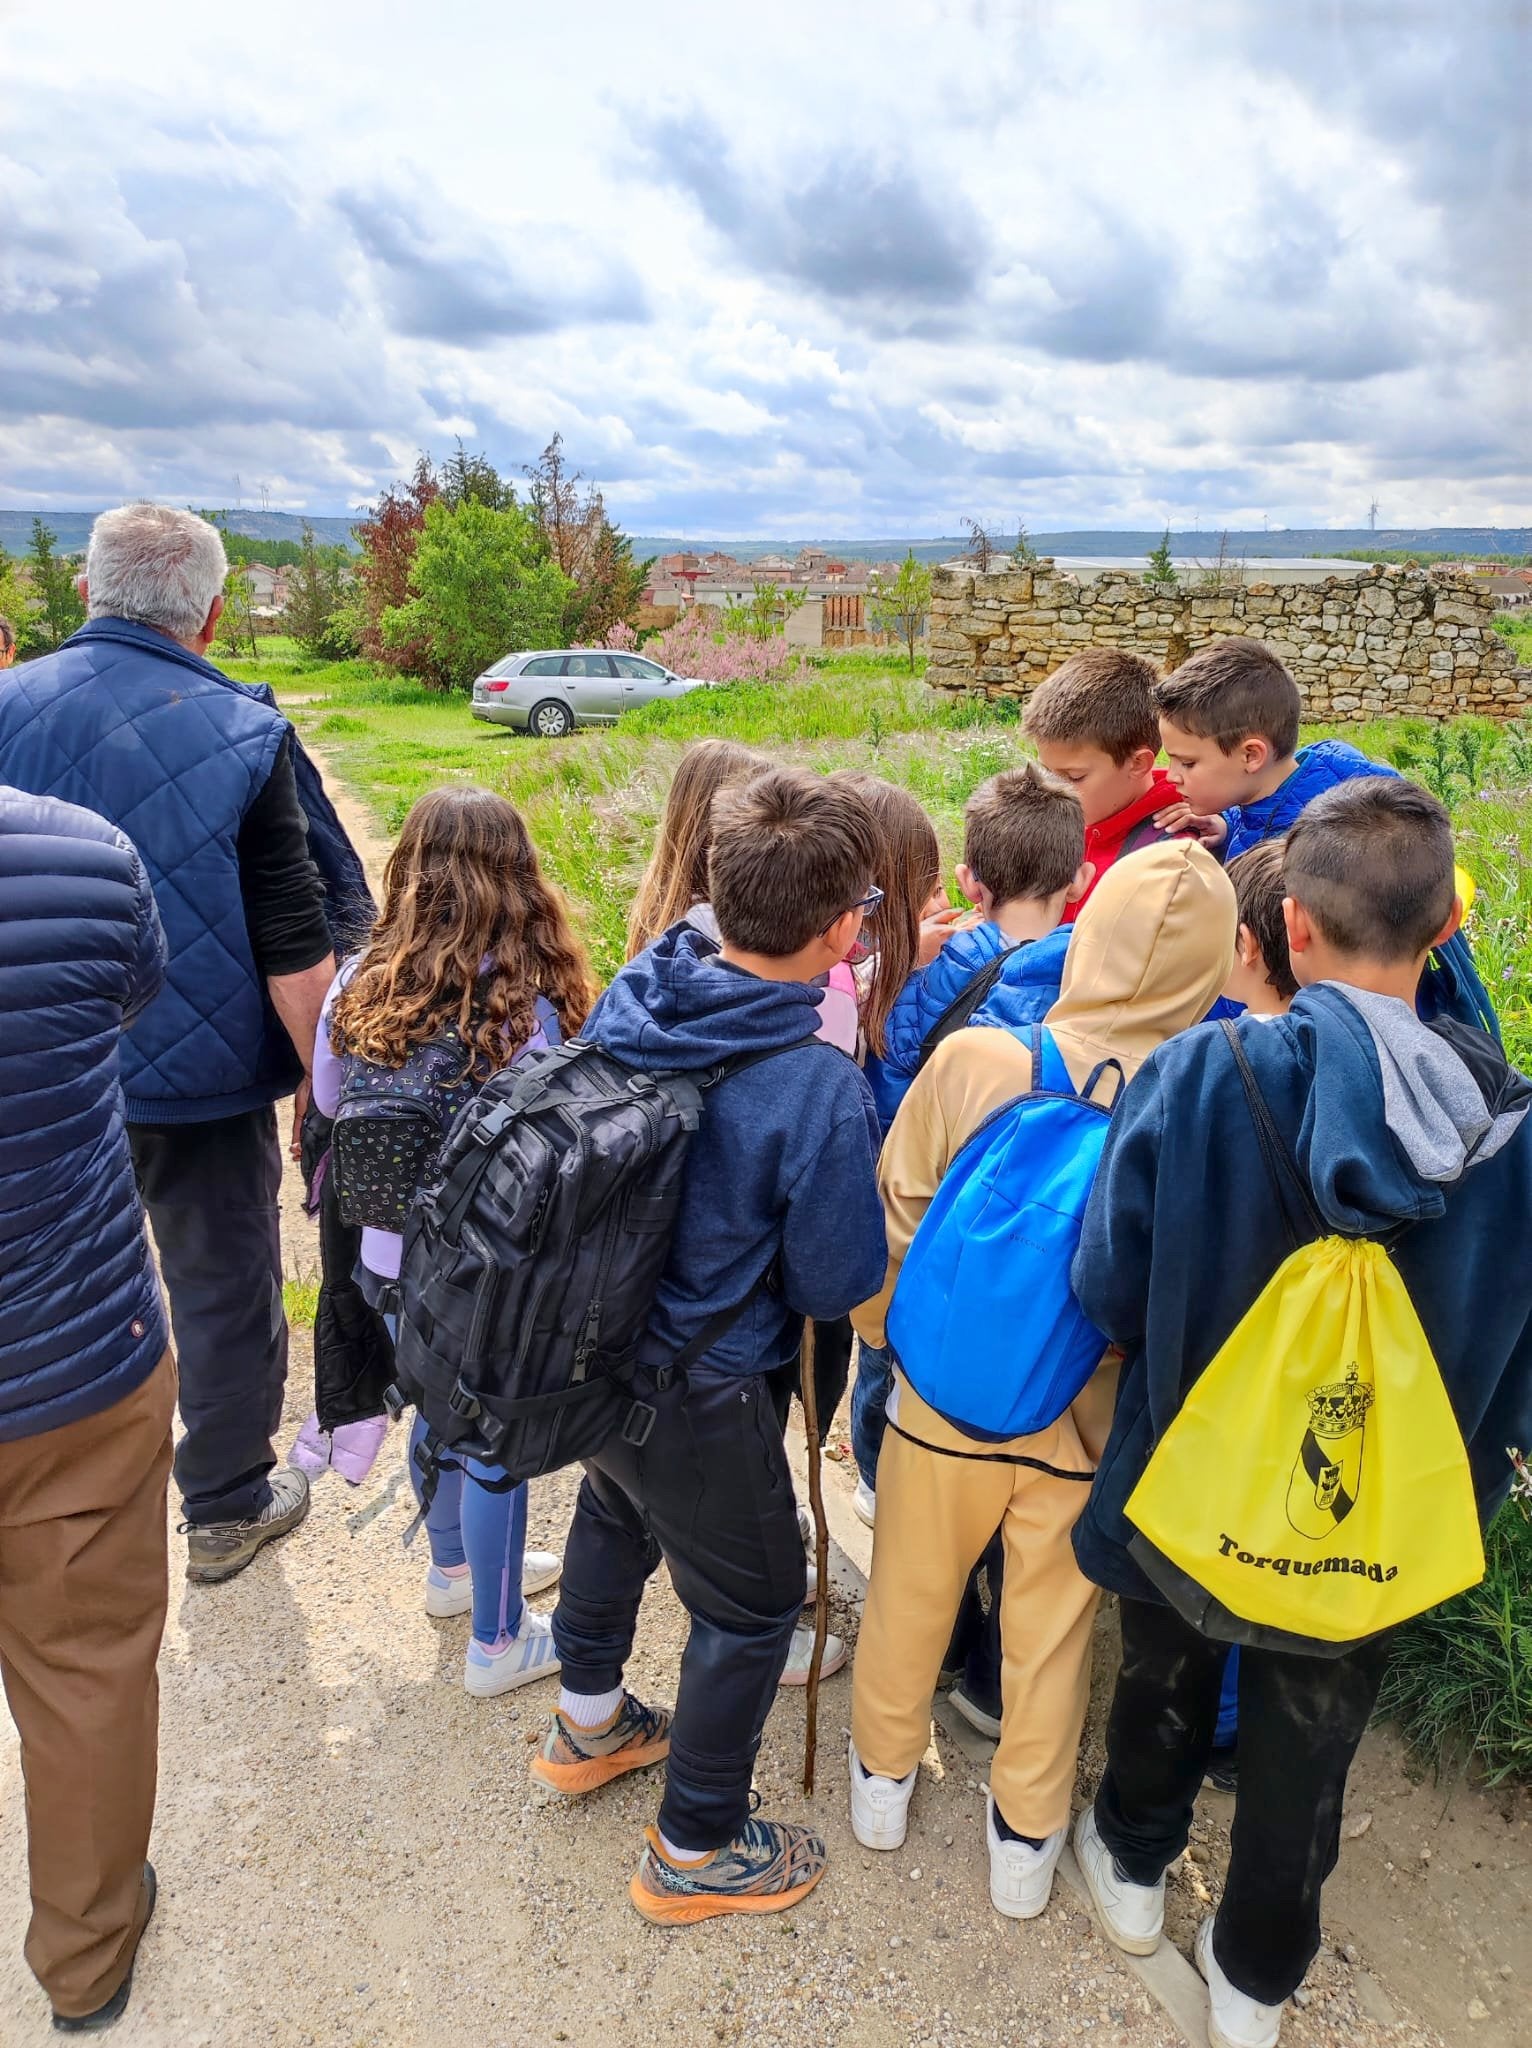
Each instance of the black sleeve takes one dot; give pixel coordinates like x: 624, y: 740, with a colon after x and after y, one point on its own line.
x: 284, y: 897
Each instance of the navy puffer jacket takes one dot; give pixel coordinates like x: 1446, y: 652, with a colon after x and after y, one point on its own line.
x: 81, y: 952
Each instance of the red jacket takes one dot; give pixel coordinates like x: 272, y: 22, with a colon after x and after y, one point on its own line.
x: 1125, y: 832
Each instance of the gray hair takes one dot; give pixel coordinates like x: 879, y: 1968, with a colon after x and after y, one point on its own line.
x: 155, y: 565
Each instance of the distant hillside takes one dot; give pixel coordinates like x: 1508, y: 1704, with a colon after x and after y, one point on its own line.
x: 73, y: 528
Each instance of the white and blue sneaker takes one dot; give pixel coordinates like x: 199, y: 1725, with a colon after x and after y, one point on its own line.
x: 451, y: 1593
x: 520, y: 1659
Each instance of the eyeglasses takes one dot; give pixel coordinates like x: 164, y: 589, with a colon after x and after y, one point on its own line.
x: 868, y: 904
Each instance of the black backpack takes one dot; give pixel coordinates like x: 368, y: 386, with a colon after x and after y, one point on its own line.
x: 391, y: 1123
x: 965, y: 1002
x: 532, y: 1256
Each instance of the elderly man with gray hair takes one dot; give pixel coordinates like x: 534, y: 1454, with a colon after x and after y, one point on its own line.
x: 131, y: 721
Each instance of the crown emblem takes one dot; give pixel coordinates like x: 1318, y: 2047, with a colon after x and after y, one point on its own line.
x: 1341, y: 1407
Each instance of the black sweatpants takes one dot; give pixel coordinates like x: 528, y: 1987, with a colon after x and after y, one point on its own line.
x: 1300, y: 1720
x: 711, y: 1493
x: 211, y: 1190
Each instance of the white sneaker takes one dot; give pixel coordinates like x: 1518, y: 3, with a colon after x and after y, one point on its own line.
x: 796, y: 1669
x: 1132, y: 1915
x: 540, y: 1569
x: 806, y: 1528
x: 811, y: 1588
x: 1234, y: 2021
x: 449, y: 1595
x: 880, y: 1807
x: 1020, y: 1879
x: 864, y: 1503
x: 521, y: 1660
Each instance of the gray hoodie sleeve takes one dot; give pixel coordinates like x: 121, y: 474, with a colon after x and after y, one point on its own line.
x: 833, y: 1250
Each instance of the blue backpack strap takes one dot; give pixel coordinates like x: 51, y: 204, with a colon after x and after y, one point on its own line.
x: 1049, y: 1071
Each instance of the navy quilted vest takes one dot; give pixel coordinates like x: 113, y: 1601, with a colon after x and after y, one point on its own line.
x: 128, y: 724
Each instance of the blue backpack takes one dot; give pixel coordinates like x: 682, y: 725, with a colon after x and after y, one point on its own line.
x: 983, y: 1321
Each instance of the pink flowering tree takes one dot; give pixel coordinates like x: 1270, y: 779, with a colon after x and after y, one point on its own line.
x: 694, y: 647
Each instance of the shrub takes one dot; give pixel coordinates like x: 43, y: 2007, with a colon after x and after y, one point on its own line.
x: 692, y: 648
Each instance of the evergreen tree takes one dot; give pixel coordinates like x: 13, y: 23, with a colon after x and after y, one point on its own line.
x: 57, y: 608
x: 1161, y: 569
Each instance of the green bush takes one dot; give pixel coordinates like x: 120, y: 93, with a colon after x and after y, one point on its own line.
x: 1460, y: 1681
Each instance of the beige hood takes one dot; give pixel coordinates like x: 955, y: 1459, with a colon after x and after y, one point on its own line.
x: 1150, y: 954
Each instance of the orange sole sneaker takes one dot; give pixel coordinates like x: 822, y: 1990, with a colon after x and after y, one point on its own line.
x: 573, y: 1761
x: 768, y: 1868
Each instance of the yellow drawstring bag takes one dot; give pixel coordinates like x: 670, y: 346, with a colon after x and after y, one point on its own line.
x: 1314, y: 1483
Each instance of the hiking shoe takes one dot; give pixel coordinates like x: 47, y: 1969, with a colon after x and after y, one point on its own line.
x: 1222, y: 1773
x: 450, y: 1593
x: 976, y: 1717
x: 109, y: 2014
x: 1234, y: 2020
x: 796, y: 1670
x: 217, y: 1550
x: 1132, y: 1915
x: 864, y: 1503
x: 521, y: 1659
x: 574, y: 1760
x: 1020, y: 1877
x: 769, y: 1866
x: 880, y: 1807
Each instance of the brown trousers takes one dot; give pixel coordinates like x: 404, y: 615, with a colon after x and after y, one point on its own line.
x: 83, y: 1592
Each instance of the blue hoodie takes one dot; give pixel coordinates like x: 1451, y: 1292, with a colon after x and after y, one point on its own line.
x: 780, y: 1203
x: 1027, y: 990
x: 1321, y: 766
x: 1392, y: 1122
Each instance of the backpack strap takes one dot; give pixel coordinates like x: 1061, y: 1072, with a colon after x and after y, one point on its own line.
x: 1043, y: 1047
x: 1275, y: 1151
x: 968, y: 999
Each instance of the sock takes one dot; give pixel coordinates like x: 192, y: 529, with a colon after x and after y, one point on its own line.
x: 1007, y: 1833
x: 452, y: 1571
x: 683, y: 1855
x: 589, y: 1710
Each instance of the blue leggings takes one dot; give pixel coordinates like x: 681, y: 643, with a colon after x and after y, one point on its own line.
x: 468, y: 1524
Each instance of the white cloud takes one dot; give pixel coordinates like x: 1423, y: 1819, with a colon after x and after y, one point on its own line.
x: 857, y: 269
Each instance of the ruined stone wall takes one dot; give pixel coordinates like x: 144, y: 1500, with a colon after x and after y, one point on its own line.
x: 1416, y: 641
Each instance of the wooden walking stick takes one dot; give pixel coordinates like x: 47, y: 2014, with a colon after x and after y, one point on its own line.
x: 809, y: 1397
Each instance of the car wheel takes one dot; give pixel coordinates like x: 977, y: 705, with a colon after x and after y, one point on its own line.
x: 551, y: 720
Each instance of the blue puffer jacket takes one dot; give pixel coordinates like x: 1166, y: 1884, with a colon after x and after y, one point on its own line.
x: 125, y: 722
x: 81, y: 1324
x: 1027, y: 990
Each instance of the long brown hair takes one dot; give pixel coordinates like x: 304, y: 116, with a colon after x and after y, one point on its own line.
x: 676, y: 876
x: 909, y: 864
x: 469, y: 937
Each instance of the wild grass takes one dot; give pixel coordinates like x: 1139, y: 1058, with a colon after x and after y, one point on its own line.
x: 300, y: 1298
x: 1460, y: 1681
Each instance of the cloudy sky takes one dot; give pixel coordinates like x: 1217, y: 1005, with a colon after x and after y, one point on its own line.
x: 831, y: 268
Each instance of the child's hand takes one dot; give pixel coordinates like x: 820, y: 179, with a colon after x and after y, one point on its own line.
x: 937, y: 929
x: 1180, y: 817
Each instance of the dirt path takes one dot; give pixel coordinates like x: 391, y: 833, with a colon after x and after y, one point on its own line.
x: 352, y: 1855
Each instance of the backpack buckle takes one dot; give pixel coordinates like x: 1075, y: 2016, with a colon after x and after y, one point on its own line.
x: 638, y: 1424
x: 394, y: 1401
x: 463, y: 1403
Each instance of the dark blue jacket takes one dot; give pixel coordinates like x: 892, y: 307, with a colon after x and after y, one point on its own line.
x: 127, y: 723
x: 81, y: 1325
x: 781, y: 1198
x: 1185, y: 1227
x: 1027, y: 990
x: 1322, y: 766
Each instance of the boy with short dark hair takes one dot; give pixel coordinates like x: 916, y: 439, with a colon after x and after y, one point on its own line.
x: 1391, y: 1122
x: 1023, y: 865
x: 1228, y: 720
x: 1262, y: 979
x: 779, y: 1219
x: 1094, y: 724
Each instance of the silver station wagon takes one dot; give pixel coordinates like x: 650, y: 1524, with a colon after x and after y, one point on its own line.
x: 552, y: 691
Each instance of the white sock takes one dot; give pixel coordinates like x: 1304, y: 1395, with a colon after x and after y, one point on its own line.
x: 682, y: 1855
x: 589, y: 1709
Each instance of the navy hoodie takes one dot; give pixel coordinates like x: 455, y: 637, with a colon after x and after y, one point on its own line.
x: 780, y: 1206
x: 1391, y: 1122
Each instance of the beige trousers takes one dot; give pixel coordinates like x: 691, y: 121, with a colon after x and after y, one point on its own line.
x: 936, y: 1513
x: 83, y: 1593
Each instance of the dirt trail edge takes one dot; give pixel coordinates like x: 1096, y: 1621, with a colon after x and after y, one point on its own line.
x: 352, y: 1855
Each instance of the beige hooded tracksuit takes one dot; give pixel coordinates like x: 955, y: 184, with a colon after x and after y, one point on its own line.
x: 1150, y: 952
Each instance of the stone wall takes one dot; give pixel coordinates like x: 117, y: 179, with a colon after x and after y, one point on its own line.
x: 1387, y: 640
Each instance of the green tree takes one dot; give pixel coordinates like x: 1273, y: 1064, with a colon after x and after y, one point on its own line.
x: 481, y: 586
x: 236, y: 622
x: 16, y: 599
x: 903, y: 606
x: 318, y: 612
x: 465, y: 479
x: 765, y: 612
x: 1023, y: 552
x: 57, y: 609
x: 596, y: 556
x: 1160, y: 568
